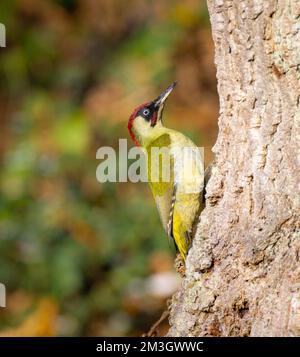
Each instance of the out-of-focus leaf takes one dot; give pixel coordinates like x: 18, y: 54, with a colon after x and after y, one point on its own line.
x: 71, y: 134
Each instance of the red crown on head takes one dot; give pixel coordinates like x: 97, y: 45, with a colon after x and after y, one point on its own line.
x: 130, y: 122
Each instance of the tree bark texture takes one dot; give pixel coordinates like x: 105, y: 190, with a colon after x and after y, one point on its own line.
x: 243, y: 270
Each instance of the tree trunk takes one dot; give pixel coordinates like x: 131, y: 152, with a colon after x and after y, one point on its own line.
x: 243, y: 271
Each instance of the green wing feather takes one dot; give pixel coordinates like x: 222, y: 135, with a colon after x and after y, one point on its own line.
x: 178, y: 209
x: 163, y: 190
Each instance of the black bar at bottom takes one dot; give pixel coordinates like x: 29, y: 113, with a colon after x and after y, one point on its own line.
x: 124, y: 346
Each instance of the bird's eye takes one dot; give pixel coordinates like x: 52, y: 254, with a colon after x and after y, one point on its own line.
x: 146, y: 112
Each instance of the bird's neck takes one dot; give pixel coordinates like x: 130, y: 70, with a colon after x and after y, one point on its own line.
x: 145, y: 137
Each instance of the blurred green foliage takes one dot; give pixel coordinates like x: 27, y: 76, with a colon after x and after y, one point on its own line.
x: 71, y: 74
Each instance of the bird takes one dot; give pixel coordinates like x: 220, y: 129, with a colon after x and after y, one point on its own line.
x: 180, y: 198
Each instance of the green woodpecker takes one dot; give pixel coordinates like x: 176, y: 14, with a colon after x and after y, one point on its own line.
x: 179, y: 198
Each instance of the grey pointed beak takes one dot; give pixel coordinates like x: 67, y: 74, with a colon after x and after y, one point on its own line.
x: 160, y: 100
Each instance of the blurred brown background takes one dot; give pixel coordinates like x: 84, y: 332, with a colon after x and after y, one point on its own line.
x: 79, y: 257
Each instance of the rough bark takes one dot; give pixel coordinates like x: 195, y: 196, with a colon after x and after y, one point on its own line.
x: 243, y: 271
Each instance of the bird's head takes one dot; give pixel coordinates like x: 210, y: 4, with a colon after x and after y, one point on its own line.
x: 147, y: 117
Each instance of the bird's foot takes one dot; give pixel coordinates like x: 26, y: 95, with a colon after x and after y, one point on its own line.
x: 179, y: 265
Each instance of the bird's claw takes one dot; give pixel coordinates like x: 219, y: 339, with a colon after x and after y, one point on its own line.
x: 179, y: 265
